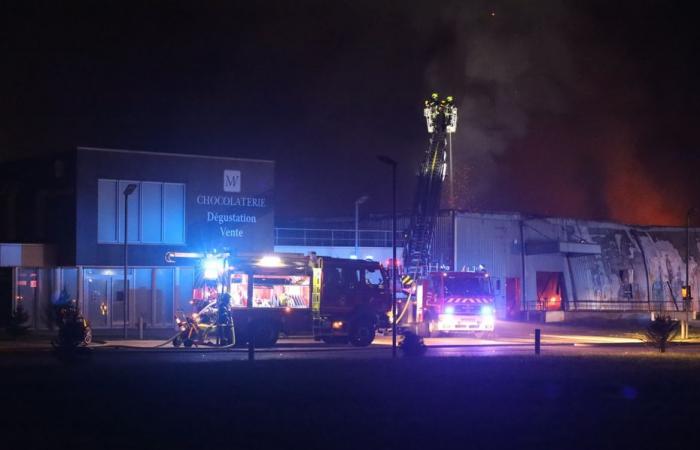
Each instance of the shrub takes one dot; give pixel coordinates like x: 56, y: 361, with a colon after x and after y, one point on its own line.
x: 660, y: 331
x: 18, y: 323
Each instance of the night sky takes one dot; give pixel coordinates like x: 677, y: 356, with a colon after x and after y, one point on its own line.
x: 570, y: 108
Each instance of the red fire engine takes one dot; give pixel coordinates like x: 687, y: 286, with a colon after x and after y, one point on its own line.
x: 456, y: 302
x: 338, y: 300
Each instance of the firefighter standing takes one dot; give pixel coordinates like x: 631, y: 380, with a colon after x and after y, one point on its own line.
x: 224, y: 324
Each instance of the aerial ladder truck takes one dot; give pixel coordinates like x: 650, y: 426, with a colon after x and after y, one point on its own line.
x: 441, y: 120
x: 440, y: 301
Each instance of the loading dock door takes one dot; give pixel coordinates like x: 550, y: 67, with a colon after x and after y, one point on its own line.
x: 550, y: 291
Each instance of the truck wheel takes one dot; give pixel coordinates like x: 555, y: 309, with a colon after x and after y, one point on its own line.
x: 362, y: 333
x: 177, y: 341
x: 266, y: 333
x: 88, y: 336
x: 188, y: 342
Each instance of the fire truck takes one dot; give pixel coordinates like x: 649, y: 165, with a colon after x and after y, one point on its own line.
x: 337, y: 300
x: 445, y: 301
x: 450, y: 302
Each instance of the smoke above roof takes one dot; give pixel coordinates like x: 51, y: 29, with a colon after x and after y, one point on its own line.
x: 549, y: 118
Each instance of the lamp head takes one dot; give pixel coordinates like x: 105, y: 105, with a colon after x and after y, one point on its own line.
x: 387, y: 160
x: 362, y: 199
x: 129, y: 189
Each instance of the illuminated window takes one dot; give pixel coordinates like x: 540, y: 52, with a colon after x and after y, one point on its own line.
x: 239, y: 290
x: 271, y: 291
x: 156, y: 212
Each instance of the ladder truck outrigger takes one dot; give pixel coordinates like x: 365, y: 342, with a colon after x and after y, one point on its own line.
x: 440, y: 301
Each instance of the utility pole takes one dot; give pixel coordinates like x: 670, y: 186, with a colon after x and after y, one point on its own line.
x: 687, y: 289
x: 393, y: 164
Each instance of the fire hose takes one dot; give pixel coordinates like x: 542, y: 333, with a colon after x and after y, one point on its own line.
x: 408, y: 302
x: 171, y: 339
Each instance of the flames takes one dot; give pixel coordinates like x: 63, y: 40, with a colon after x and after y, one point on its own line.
x: 596, y: 173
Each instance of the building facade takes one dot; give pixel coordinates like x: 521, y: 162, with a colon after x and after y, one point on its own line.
x: 63, y: 231
x: 554, y: 267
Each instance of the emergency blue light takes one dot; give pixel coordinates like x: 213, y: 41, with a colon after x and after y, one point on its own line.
x: 212, y: 268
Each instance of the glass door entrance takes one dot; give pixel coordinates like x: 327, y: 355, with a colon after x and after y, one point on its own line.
x: 104, y: 294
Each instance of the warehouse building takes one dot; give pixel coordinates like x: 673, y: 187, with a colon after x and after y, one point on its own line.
x: 64, y: 220
x: 567, y: 268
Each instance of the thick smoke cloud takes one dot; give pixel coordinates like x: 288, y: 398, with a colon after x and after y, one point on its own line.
x: 549, y: 118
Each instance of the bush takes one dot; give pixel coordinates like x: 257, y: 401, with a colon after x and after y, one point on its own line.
x: 18, y: 323
x: 660, y: 331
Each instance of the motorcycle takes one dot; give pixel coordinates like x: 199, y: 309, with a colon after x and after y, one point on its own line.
x: 212, y: 321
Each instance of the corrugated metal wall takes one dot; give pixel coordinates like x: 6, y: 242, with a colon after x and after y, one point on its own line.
x: 637, y: 269
x: 487, y: 240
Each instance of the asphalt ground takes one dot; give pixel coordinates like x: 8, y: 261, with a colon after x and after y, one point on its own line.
x: 567, y: 397
x: 585, y: 390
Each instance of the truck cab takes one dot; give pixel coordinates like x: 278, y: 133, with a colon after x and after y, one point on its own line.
x: 457, y: 302
x: 350, y: 299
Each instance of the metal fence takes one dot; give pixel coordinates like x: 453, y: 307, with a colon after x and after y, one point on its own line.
x: 614, y: 306
x: 335, y: 238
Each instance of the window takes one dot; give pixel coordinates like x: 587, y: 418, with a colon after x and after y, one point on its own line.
x: 142, y: 296
x: 185, y: 284
x: 174, y: 213
x: 341, y: 277
x: 281, y: 291
x: 271, y: 291
x: 163, y: 296
x: 467, y: 286
x: 156, y: 212
x: 106, y: 211
x: 152, y: 217
x: 374, y: 277
x: 351, y: 277
x: 239, y: 290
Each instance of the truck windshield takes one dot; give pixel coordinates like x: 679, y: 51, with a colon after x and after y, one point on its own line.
x: 467, y: 286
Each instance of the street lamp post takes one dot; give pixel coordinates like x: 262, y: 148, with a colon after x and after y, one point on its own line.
x: 687, y: 290
x: 393, y: 164
x: 130, y: 188
x: 358, y: 202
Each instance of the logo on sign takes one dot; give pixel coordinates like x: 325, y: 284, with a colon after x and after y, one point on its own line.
x: 232, y: 181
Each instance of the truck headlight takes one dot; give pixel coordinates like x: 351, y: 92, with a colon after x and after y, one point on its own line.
x: 487, y: 311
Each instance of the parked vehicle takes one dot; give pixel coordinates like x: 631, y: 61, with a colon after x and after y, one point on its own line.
x: 336, y: 300
x: 73, y: 329
x: 456, y: 302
